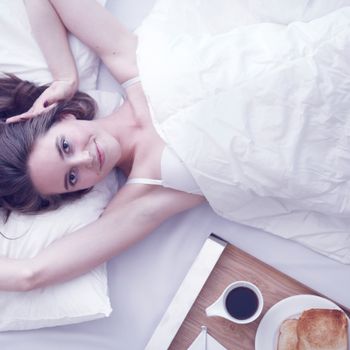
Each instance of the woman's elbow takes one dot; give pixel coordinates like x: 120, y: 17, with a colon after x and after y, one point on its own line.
x: 28, y: 280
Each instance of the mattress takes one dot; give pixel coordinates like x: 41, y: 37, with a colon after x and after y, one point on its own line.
x: 143, y: 280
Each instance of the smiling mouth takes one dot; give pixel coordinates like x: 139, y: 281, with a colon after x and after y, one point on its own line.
x: 101, y: 156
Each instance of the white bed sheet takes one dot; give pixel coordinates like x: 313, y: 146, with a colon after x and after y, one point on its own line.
x: 143, y: 280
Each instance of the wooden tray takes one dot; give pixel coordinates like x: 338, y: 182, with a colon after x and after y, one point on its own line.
x: 234, y: 264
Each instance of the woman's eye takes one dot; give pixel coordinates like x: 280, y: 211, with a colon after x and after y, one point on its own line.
x: 65, y: 146
x: 72, y: 177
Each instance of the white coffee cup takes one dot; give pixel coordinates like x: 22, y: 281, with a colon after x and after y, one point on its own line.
x: 241, y: 302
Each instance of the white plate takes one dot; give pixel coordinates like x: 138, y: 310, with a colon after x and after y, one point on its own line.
x: 268, y: 330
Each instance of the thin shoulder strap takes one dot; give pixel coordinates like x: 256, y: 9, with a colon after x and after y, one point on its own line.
x: 144, y: 181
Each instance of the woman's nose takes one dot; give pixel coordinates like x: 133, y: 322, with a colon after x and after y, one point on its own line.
x: 83, y: 158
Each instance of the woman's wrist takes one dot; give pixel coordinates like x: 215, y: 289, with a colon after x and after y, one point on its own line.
x: 65, y: 87
x: 72, y: 81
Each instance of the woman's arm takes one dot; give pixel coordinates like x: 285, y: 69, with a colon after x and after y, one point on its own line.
x: 113, y: 43
x: 101, y: 31
x: 98, y: 29
x: 51, y: 36
x: 119, y: 227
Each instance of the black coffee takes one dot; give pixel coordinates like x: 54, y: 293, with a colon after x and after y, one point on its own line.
x: 241, y: 303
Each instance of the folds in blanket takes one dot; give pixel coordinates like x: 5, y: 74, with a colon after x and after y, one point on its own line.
x: 271, y: 118
x: 260, y: 116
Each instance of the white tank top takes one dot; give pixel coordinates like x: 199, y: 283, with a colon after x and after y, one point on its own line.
x: 174, y: 174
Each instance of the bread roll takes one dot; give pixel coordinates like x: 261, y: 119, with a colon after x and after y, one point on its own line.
x: 322, y: 329
x: 288, y: 338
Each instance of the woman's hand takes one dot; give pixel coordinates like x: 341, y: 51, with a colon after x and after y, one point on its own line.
x: 59, y: 90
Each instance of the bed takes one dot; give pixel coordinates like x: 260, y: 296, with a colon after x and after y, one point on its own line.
x: 143, y: 280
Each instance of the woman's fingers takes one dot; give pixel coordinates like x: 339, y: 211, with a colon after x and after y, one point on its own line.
x: 59, y: 90
x: 42, y: 107
x: 21, y: 117
x: 31, y: 113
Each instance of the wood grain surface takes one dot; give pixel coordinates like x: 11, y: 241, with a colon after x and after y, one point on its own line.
x: 233, y: 265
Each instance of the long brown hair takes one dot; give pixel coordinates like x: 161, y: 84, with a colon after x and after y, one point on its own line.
x: 17, y: 191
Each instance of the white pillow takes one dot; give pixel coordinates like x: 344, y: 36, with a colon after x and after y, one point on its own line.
x: 81, y: 299
x: 20, y: 54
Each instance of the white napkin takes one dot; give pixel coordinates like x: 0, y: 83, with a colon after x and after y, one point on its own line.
x: 204, y: 341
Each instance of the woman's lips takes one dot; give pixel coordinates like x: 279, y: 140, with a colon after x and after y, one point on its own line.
x: 101, y: 155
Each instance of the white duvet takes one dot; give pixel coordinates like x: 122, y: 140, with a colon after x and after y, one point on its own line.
x: 260, y: 114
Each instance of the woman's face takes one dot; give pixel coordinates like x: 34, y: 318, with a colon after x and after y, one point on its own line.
x: 73, y: 155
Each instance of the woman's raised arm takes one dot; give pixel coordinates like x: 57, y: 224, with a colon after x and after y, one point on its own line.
x: 114, y: 44
x: 101, y: 31
x: 119, y: 227
x: 51, y: 36
x: 98, y: 29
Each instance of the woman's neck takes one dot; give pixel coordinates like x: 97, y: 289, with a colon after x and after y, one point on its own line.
x: 124, y: 127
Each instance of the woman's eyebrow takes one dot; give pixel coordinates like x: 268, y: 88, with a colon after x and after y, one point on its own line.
x: 66, y: 182
x: 59, y: 150
x: 58, y: 147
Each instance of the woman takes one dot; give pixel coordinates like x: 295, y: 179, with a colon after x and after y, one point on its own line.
x: 83, y: 152
x: 79, y: 159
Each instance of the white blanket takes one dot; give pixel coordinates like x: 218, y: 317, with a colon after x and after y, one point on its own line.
x: 259, y: 114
